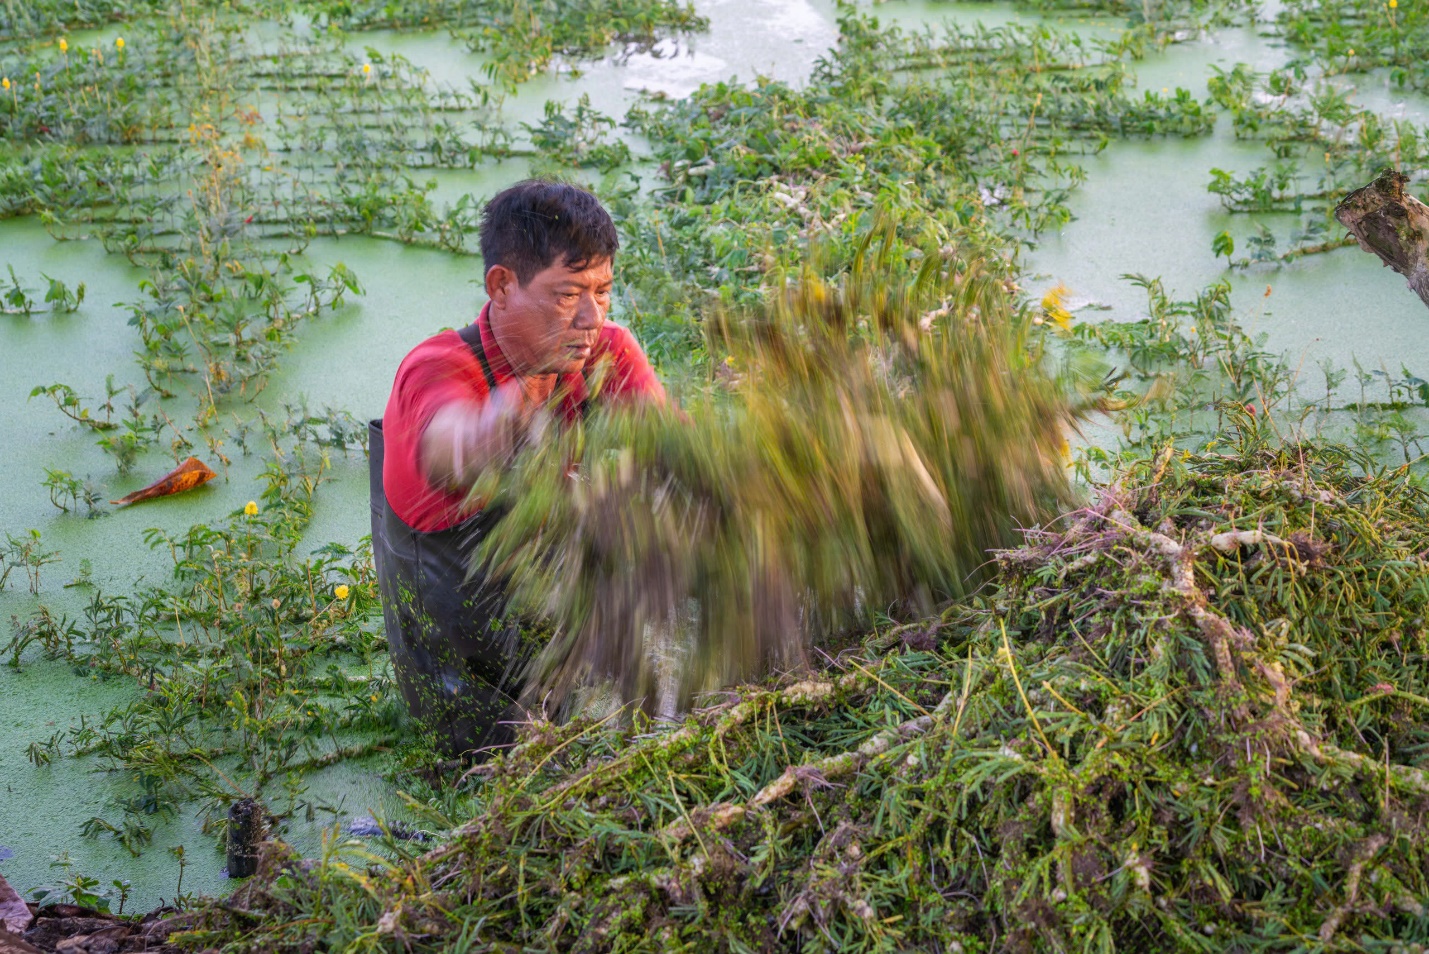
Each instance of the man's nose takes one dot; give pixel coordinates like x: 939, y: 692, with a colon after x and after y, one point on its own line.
x: 588, y: 313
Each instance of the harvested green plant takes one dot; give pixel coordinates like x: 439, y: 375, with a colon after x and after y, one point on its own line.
x: 882, y: 432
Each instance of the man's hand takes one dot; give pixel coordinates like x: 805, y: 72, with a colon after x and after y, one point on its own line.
x: 463, y: 439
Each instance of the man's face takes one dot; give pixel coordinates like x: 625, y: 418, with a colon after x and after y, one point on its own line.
x: 550, y: 324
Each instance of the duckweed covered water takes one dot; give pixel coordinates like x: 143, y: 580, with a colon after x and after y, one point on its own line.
x: 1145, y: 210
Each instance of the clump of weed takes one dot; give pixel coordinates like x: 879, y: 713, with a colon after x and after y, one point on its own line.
x: 880, y: 434
x: 520, y: 40
x: 949, y: 128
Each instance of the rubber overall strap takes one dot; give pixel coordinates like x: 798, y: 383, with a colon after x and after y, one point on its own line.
x: 471, y: 334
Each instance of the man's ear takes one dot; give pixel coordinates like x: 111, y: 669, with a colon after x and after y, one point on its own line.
x: 499, y: 282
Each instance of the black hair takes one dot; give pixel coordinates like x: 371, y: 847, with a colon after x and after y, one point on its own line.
x: 535, y: 223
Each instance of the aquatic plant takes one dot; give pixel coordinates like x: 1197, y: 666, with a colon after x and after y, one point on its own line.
x: 64, y: 486
x: 1357, y: 36
x: 17, y: 298
x: 1323, y: 145
x: 578, y: 139
x: 25, y: 551
x: 253, y: 672
x: 950, y: 128
x: 886, y: 430
x: 44, y: 19
x: 1162, y: 22
x: 520, y: 40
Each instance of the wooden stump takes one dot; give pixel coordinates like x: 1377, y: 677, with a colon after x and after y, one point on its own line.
x: 1392, y: 225
x: 245, y: 834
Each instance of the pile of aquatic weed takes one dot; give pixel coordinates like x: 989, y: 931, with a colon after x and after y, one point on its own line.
x: 1188, y: 717
x: 876, y: 436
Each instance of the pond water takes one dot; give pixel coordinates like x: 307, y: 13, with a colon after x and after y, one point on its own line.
x: 1144, y: 208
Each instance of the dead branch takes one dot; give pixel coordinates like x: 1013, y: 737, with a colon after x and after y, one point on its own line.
x: 1392, y: 225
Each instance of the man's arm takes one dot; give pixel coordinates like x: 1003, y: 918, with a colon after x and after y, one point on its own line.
x: 464, y: 438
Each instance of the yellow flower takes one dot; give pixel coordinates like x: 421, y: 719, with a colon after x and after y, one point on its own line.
x: 64, y: 45
x: 251, y: 508
x: 5, y: 82
x: 366, y: 69
x: 1352, y: 53
x: 340, y: 591
x: 119, y: 43
x: 1393, y: 4
x: 1052, y: 304
x: 374, y: 697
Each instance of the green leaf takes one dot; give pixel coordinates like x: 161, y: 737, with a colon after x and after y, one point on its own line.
x: 1223, y: 244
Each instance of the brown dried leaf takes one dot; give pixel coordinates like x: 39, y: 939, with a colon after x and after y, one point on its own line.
x: 188, y: 475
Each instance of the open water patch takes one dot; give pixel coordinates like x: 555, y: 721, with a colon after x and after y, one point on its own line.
x: 1145, y: 209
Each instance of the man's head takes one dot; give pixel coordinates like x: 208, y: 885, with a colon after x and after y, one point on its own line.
x: 549, y: 250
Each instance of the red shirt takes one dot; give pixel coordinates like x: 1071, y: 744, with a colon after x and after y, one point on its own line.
x: 443, y: 369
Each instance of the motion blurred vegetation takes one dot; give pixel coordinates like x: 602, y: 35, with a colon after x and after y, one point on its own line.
x: 879, y: 434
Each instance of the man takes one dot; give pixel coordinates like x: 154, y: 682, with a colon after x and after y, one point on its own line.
x: 464, y: 401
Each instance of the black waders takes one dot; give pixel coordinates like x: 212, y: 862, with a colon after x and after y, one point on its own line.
x: 457, y: 663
